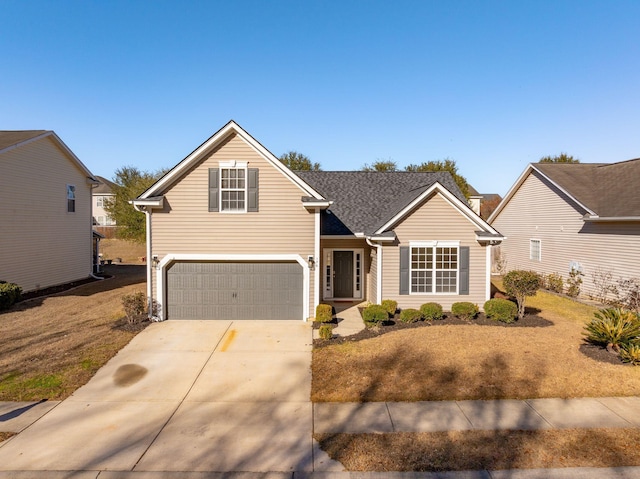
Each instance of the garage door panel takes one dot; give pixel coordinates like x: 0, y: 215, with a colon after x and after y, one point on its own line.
x: 240, y: 290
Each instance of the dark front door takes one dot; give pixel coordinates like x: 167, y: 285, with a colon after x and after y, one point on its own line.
x: 343, y: 274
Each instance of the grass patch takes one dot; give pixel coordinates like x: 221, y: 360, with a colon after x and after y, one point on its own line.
x: 478, y: 450
x: 53, y: 345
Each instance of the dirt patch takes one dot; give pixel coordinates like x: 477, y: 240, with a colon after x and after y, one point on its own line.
x: 6, y: 435
x: 481, y: 450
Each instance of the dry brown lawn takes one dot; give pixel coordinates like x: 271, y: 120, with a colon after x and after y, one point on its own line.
x: 128, y: 251
x: 478, y: 450
x: 53, y: 345
x: 457, y: 362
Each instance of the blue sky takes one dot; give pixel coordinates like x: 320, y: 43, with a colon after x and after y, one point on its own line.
x: 493, y: 85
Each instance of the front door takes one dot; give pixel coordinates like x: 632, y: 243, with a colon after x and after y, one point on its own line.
x: 343, y: 274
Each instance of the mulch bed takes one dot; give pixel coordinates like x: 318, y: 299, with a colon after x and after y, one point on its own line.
x: 529, y: 321
x: 38, y: 293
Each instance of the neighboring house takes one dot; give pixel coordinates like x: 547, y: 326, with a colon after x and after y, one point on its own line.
x: 45, y: 211
x: 483, y: 204
x: 234, y: 234
x: 103, y: 193
x: 583, y: 216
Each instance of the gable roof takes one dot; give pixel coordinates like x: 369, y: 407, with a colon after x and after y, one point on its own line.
x: 371, y: 202
x: 10, y: 139
x: 602, y: 190
x: 105, y: 187
x: 197, y: 155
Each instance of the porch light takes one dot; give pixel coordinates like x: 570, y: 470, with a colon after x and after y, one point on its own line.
x: 154, y: 261
x: 312, y: 263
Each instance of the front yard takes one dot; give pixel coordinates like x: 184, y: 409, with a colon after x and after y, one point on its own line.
x: 469, y: 361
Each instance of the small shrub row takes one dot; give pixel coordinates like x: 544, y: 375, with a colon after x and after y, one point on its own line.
x: 9, y: 294
x: 374, y: 314
x: 618, y: 330
x: 465, y: 310
x: 135, y: 306
x: 431, y: 311
x: 554, y: 282
x: 325, y: 331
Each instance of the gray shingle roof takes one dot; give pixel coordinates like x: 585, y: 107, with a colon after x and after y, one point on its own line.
x: 609, y: 189
x: 363, y: 201
x: 105, y: 186
x: 10, y: 138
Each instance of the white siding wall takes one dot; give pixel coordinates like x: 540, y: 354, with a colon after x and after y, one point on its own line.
x: 41, y: 244
x: 282, y: 225
x: 539, y: 211
x: 435, y: 220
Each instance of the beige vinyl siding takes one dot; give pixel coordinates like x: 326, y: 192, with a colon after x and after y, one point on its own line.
x: 41, y: 244
x: 538, y: 210
x: 281, y: 226
x: 348, y: 244
x: 438, y: 220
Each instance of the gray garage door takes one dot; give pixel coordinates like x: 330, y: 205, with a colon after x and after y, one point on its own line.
x: 238, y: 290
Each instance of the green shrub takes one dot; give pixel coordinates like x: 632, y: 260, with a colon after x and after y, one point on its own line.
x: 324, y: 313
x: 410, y: 315
x: 464, y: 310
x: 9, y: 294
x: 391, y: 306
x: 520, y: 284
x: 613, y: 327
x: 135, y: 305
x: 325, y: 331
x: 630, y: 353
x: 554, y: 282
x: 431, y: 311
x: 500, y: 309
x: 574, y: 282
x: 374, y: 314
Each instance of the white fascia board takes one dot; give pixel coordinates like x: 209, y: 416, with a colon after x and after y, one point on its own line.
x: 609, y: 219
x: 463, y: 208
x: 208, y: 145
x: 317, y: 204
x: 153, y: 202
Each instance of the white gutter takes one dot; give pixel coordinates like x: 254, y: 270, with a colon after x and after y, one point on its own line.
x: 609, y: 219
x: 316, y: 253
x: 144, y: 207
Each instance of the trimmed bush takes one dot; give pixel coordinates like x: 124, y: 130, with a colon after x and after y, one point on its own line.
x: 391, y: 306
x: 520, y: 284
x: 135, y: 305
x: 431, y: 311
x: 324, y: 313
x: 554, y: 282
x: 374, y: 314
x: 325, y: 331
x: 613, y: 328
x: 501, y: 310
x: 9, y: 294
x: 464, y: 310
x: 410, y: 315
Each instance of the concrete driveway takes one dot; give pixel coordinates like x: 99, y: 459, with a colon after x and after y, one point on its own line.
x: 185, y: 396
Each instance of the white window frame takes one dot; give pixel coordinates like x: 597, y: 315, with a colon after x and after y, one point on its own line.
x: 434, y: 245
x: 358, y: 270
x: 71, y: 198
x: 233, y: 165
x: 537, y: 241
x: 100, y: 201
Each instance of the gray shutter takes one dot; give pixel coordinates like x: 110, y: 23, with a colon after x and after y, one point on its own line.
x: 464, y: 270
x: 404, y: 270
x: 252, y: 190
x: 213, y: 189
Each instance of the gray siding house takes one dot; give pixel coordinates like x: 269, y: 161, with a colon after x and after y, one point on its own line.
x: 584, y: 216
x: 45, y: 211
x: 232, y: 233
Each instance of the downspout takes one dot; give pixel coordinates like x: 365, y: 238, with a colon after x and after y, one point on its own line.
x: 378, y: 248
x: 147, y: 213
x: 316, y: 252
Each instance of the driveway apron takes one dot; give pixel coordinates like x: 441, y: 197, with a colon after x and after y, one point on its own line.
x: 185, y: 396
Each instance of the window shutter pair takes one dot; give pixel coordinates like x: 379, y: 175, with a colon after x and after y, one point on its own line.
x: 463, y: 270
x: 252, y: 189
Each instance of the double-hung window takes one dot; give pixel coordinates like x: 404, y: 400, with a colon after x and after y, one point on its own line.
x: 434, y: 267
x: 71, y: 199
x: 233, y: 188
x: 535, y: 250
